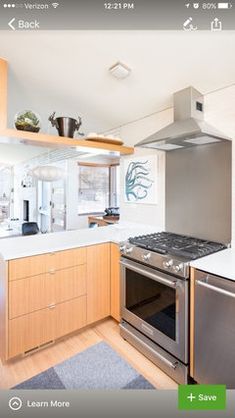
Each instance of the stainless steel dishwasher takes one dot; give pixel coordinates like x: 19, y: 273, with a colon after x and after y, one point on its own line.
x: 214, y: 339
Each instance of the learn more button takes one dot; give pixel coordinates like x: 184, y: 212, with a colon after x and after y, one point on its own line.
x: 202, y: 397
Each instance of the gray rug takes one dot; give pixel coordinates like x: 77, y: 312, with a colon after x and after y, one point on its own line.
x: 98, y: 367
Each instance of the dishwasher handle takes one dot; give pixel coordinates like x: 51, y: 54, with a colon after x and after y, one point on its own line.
x: 215, y: 289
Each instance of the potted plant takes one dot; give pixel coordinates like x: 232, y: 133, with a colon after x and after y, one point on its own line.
x: 27, y: 121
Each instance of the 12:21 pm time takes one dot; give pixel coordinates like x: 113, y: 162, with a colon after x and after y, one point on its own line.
x: 118, y: 6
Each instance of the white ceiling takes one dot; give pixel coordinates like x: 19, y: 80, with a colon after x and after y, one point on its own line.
x: 11, y: 154
x: 68, y: 72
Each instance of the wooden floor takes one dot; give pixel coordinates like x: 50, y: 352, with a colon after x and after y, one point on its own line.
x: 23, y: 368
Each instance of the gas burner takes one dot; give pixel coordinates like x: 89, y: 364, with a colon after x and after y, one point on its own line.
x: 183, y: 246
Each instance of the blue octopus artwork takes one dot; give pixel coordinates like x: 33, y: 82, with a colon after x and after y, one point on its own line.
x: 137, y: 181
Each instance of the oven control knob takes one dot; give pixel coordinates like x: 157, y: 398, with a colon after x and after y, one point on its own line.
x: 167, y: 264
x: 129, y: 250
x: 122, y: 248
x: 146, y: 257
x: 178, y: 268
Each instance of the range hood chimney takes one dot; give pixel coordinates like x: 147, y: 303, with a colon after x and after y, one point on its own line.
x: 188, y: 129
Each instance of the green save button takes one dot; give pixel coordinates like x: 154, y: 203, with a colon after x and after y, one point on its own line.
x: 202, y: 397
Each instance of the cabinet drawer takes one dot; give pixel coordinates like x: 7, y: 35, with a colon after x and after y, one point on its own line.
x: 31, y: 294
x: 70, y: 316
x: 38, y: 292
x: 27, y: 266
x: 30, y: 331
x: 50, y: 262
x: 70, y: 283
x: 68, y: 258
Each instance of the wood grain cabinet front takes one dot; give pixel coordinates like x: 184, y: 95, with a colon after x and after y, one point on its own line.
x: 38, y: 292
x: 31, y: 294
x: 27, y: 267
x: 70, y: 283
x: 54, y: 294
x: 64, y: 259
x: 98, y: 282
x: 46, y: 263
x: 70, y: 316
x: 30, y: 331
x: 115, y: 282
x: 46, y: 298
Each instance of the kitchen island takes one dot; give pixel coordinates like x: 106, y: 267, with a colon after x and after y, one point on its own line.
x: 55, y: 284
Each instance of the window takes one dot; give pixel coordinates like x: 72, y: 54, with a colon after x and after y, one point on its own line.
x: 6, y: 184
x: 98, y: 188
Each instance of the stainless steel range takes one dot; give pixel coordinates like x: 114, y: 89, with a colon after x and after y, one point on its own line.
x: 155, y: 294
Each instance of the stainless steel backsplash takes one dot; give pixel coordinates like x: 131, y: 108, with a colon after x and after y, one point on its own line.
x: 198, y: 191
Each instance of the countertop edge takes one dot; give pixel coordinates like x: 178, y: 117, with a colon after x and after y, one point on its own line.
x: 220, y: 264
x: 21, y: 247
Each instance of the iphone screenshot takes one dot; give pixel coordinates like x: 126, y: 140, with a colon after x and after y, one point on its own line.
x: 117, y: 208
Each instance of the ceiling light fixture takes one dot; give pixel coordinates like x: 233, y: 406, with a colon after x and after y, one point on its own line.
x: 120, y: 70
x: 47, y: 173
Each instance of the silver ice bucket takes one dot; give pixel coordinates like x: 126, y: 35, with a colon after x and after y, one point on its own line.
x: 66, y: 126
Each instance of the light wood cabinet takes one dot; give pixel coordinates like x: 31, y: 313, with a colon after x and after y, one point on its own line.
x: 115, y: 282
x: 31, y: 294
x: 38, y: 292
x: 47, y: 296
x: 30, y: 331
x: 46, y: 299
x: 46, y: 263
x: 27, y: 266
x: 70, y: 283
x: 98, y: 282
x: 67, y: 258
x: 70, y: 316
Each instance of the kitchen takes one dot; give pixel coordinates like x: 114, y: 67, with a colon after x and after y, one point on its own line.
x: 133, y: 222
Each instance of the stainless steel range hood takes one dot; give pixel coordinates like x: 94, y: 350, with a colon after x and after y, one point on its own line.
x: 188, y: 129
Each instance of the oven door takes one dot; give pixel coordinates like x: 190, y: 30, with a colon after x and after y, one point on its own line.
x: 156, y: 304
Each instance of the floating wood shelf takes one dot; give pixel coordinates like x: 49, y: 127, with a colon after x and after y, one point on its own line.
x: 13, y: 136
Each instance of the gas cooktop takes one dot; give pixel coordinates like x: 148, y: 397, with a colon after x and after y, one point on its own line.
x: 176, y: 245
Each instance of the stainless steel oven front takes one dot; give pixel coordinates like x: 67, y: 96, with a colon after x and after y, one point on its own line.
x: 156, y: 304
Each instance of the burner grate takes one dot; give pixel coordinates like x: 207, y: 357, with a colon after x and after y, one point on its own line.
x: 178, y: 245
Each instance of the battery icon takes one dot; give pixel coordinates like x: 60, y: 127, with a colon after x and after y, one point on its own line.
x: 224, y: 5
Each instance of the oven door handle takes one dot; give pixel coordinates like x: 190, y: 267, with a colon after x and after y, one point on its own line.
x: 153, y: 276
x: 160, y: 356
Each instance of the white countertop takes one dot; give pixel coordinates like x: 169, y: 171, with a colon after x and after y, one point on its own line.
x: 221, y: 264
x: 25, y: 246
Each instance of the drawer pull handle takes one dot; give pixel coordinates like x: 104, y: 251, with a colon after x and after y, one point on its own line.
x: 52, y: 271
x: 51, y: 306
x: 215, y: 288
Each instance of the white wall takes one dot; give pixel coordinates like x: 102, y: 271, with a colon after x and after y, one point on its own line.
x: 220, y: 111
x: 131, y: 134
